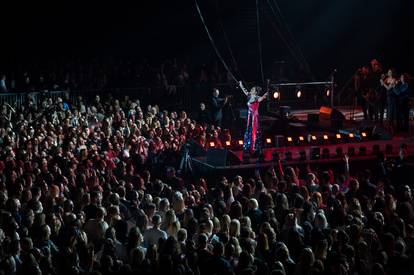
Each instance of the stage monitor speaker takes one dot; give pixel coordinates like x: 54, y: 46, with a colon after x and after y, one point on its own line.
x: 330, y: 117
x: 313, y: 118
x: 330, y: 113
x: 380, y: 133
x: 221, y: 157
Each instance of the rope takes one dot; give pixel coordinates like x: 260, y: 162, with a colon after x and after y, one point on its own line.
x: 227, y: 41
x: 259, y: 42
x: 301, y: 59
x: 214, y: 44
x: 295, y: 45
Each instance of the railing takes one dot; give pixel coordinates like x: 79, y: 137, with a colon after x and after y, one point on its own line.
x: 187, y: 97
x: 19, y: 99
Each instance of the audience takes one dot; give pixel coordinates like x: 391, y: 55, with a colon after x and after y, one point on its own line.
x: 93, y: 188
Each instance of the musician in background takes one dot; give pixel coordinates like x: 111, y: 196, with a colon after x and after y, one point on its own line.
x: 364, y: 92
x: 380, y: 92
x: 389, y: 82
x: 402, y: 92
x: 217, y: 105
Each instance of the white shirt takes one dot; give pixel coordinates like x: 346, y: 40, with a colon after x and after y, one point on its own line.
x: 151, y: 236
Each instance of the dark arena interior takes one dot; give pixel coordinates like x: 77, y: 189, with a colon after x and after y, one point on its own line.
x: 200, y: 137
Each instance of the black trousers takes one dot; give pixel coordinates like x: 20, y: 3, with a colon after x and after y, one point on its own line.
x: 403, y: 114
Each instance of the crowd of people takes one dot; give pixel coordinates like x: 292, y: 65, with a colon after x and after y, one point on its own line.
x: 110, y: 72
x: 92, y: 188
x: 383, y: 93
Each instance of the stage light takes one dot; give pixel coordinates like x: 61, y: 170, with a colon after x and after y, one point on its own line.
x: 338, y: 136
x: 268, y: 140
x: 314, y: 138
x: 376, y: 149
x: 388, y: 149
x: 325, y: 137
x: 328, y: 92
x: 275, y: 156
x: 302, y: 155
x: 363, y: 134
x: 228, y: 143
x: 276, y: 94
x: 315, y: 153
x: 289, y: 139
x: 212, y: 144
x: 301, y: 138
x: 325, y: 153
x: 362, y: 151
x: 351, y: 135
x: 240, y: 142
x: 299, y: 93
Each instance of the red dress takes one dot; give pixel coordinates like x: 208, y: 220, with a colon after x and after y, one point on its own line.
x: 251, y: 137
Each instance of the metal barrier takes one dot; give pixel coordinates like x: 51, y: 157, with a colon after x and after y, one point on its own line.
x: 19, y: 99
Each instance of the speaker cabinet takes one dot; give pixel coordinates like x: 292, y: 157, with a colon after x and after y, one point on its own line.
x: 221, y: 157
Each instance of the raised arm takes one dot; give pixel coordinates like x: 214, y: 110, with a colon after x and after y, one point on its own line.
x: 243, y: 88
x: 263, y: 97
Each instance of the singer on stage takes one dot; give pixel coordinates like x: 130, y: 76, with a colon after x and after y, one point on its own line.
x: 252, y: 134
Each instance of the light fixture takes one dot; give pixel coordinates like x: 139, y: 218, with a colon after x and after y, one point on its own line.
x: 212, y: 144
x: 289, y: 139
x: 328, y: 92
x: 351, y: 135
x: 325, y: 137
x: 388, y: 149
x: 228, y: 143
x: 276, y: 94
x: 268, y: 140
x: 314, y: 138
x: 302, y: 155
x: 338, y: 136
x: 240, y: 142
x: 301, y: 138
x: 299, y: 93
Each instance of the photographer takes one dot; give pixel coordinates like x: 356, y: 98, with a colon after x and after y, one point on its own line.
x: 217, y: 105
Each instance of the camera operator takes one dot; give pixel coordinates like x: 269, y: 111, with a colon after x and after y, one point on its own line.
x: 217, y: 105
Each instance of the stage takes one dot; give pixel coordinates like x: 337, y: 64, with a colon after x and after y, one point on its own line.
x: 361, y: 140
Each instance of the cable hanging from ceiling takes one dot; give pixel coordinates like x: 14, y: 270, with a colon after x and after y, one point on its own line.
x: 214, y: 44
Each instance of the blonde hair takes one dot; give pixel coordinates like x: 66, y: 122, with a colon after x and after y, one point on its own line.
x: 234, y: 228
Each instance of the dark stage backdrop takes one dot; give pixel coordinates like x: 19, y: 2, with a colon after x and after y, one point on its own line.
x: 330, y: 33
